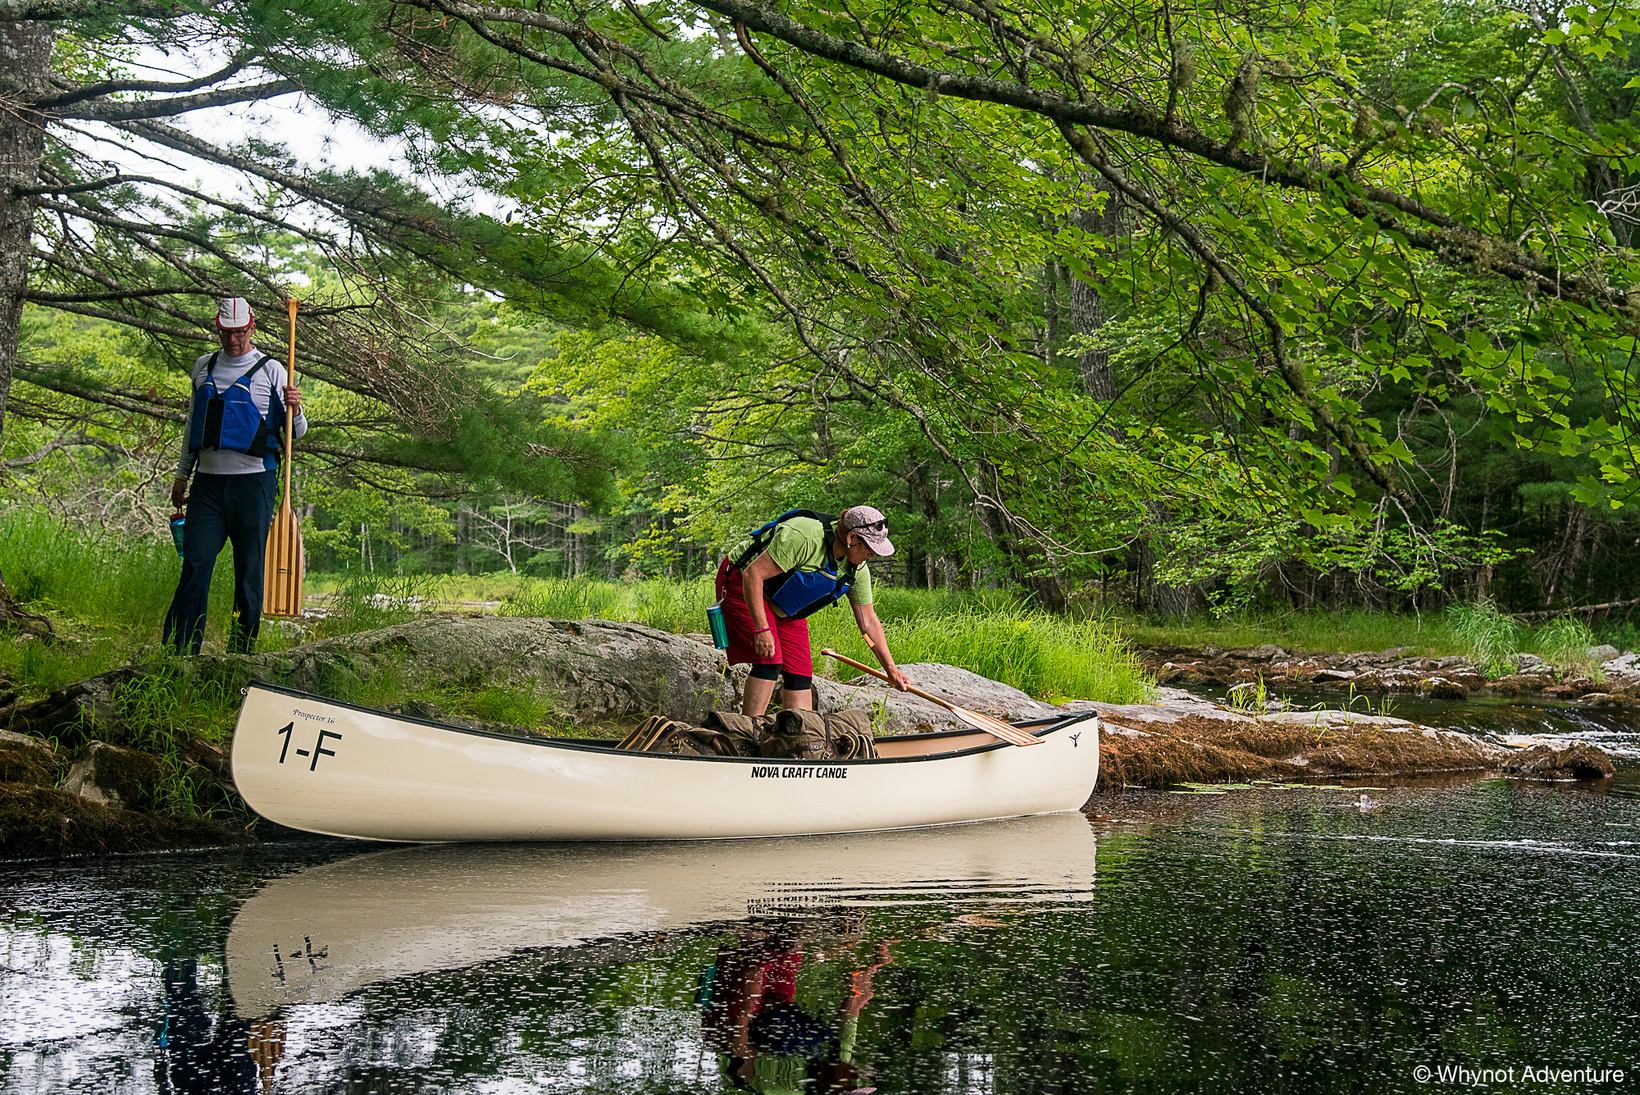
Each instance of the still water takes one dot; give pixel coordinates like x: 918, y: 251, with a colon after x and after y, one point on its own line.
x: 1262, y: 940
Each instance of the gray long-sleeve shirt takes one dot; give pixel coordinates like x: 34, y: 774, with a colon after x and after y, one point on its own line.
x: 272, y: 378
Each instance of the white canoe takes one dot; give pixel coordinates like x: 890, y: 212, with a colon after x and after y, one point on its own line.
x: 325, y: 932
x: 328, y: 767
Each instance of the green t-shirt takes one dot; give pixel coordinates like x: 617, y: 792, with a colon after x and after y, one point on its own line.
x: 800, y: 544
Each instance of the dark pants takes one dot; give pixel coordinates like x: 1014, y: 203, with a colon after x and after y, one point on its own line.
x: 223, y: 509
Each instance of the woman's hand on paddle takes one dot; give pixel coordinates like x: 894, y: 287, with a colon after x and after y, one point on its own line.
x: 179, y: 492
x: 901, y: 681
x: 293, y: 398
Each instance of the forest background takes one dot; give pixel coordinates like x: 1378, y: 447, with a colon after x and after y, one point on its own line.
x: 1181, y: 308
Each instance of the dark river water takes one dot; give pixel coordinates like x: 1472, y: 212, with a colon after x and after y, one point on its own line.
x: 1266, y: 940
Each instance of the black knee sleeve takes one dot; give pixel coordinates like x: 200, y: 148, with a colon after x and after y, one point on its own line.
x: 762, y: 672
x: 795, y: 683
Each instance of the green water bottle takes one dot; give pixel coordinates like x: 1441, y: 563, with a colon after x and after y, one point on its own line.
x: 719, y: 629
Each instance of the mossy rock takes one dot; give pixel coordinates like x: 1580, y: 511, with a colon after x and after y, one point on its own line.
x: 1580, y: 761
x: 117, y: 777
x: 47, y: 823
x: 25, y: 759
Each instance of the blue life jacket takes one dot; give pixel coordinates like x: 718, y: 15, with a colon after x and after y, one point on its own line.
x: 230, y: 420
x: 798, y: 594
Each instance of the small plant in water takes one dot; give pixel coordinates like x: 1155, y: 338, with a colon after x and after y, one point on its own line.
x: 1249, y: 697
x: 879, y: 717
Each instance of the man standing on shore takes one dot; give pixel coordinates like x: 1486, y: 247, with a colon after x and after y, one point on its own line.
x: 231, y: 449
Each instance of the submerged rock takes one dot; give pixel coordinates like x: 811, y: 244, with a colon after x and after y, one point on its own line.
x: 1579, y: 761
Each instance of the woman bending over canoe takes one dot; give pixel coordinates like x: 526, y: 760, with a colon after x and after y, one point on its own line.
x: 786, y: 571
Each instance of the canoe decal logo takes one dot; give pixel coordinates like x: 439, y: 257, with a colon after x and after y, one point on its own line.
x: 1074, y: 737
x: 288, y: 731
x: 795, y: 771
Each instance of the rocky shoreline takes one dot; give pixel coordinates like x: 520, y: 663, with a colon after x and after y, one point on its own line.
x: 1392, y: 671
x: 66, y: 788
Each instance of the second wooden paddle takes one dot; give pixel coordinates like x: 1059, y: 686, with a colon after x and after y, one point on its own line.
x: 282, y: 561
x: 1006, y: 731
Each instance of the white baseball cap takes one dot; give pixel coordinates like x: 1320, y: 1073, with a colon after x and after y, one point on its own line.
x: 234, y: 313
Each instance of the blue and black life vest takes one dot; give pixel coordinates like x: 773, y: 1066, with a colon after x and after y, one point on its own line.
x: 230, y: 419
x: 800, y: 593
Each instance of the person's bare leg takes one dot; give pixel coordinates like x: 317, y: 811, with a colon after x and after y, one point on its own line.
x: 755, y: 700
x: 798, y: 699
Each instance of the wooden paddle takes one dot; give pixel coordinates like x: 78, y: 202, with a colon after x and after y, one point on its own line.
x: 282, y: 562
x: 1007, y: 732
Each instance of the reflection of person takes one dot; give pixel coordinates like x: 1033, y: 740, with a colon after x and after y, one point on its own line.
x: 234, y: 432
x: 770, y: 1043
x: 790, y: 568
x: 197, y: 1051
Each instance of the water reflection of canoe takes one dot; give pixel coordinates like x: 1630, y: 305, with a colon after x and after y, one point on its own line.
x: 324, y: 932
x: 329, y: 767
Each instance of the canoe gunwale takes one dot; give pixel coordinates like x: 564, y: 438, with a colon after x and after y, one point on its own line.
x: 1039, y: 727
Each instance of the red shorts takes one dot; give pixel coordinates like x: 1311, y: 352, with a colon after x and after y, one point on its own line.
x: 791, y: 637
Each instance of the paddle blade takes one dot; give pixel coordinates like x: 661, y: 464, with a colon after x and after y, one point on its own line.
x: 282, y: 566
x: 1007, y: 731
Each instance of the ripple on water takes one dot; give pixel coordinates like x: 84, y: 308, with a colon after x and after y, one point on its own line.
x: 1254, y: 941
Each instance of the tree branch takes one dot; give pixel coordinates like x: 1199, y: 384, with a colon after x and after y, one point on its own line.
x: 18, y: 11
x: 1447, y: 237
x: 107, y: 110
x: 112, y: 87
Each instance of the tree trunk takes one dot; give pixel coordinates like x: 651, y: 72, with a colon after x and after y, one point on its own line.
x: 1025, y: 561
x: 25, y: 68
x: 578, y: 542
x: 1088, y: 313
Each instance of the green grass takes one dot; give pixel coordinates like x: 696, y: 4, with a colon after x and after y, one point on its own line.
x: 1478, y: 631
x: 1341, y: 632
x: 158, y: 713
x: 1052, y: 658
x: 1489, y: 637
x: 989, y: 633
x: 1565, y: 641
x: 107, y: 585
x: 521, y: 705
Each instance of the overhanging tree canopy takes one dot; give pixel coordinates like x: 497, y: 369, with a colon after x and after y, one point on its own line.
x: 1287, y: 217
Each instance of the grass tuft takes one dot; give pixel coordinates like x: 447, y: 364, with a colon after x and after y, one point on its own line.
x: 1565, y: 641
x: 1489, y: 637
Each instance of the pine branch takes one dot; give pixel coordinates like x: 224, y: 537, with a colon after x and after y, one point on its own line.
x: 114, y: 87
x: 108, y: 110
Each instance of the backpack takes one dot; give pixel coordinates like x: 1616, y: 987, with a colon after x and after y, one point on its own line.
x: 809, y: 735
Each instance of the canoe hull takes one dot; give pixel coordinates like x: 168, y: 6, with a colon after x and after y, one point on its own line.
x: 327, y: 767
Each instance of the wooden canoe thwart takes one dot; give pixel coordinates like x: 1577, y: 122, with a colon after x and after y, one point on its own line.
x: 329, y: 767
